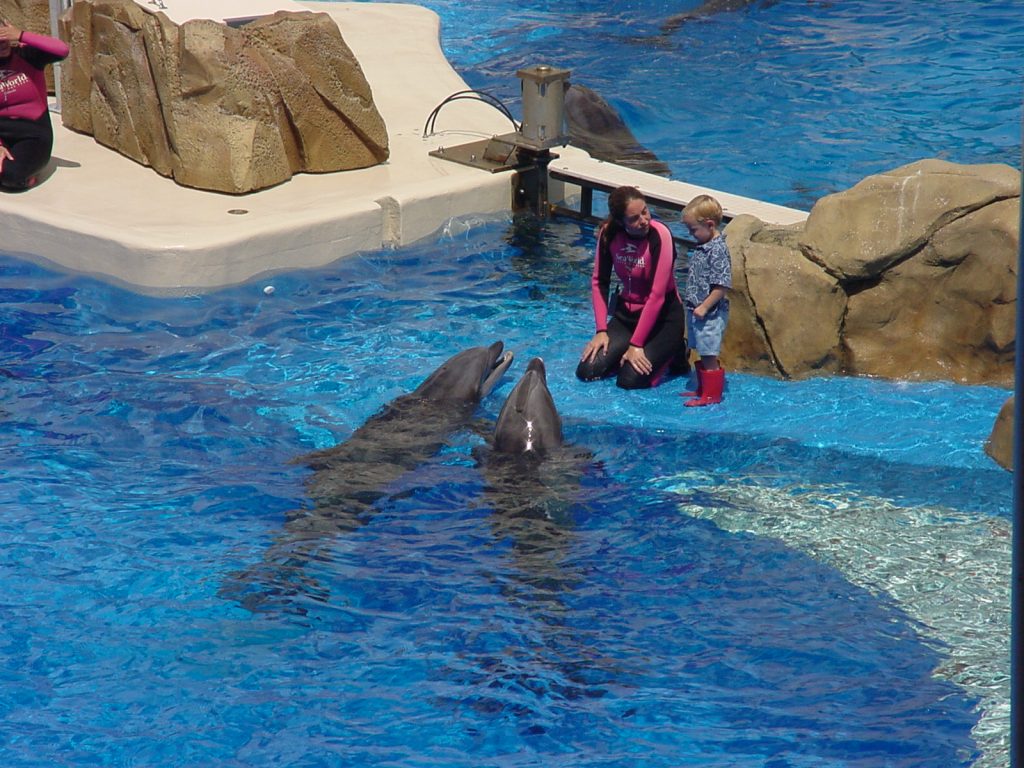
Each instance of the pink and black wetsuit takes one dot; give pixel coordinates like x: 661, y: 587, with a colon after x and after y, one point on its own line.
x: 25, y: 128
x: 647, y: 311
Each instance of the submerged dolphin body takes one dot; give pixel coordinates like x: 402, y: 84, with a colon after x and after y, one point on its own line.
x: 532, y: 479
x: 709, y: 8
x: 532, y: 491
x: 349, y: 478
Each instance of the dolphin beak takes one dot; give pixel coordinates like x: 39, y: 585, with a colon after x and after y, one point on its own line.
x: 500, y: 363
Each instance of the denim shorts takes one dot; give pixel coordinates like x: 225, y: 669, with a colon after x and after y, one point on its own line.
x: 705, y: 335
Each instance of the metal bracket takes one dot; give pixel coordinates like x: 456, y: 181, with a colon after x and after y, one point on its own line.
x: 496, y: 154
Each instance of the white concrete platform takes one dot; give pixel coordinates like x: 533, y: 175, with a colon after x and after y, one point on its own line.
x: 99, y: 213
x: 229, y: 11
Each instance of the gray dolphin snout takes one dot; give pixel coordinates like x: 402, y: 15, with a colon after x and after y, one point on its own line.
x: 529, y: 423
x: 467, y: 377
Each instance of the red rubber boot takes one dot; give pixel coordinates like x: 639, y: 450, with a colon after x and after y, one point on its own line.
x: 698, y: 372
x: 712, y: 384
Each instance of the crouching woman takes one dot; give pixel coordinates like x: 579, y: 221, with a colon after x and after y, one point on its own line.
x: 642, y: 334
x: 26, y: 134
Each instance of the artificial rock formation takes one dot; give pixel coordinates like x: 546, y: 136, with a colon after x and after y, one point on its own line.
x: 217, y: 107
x: 33, y: 15
x: 910, y: 274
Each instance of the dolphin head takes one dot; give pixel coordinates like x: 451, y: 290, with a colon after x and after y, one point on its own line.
x: 529, y: 422
x: 468, y: 376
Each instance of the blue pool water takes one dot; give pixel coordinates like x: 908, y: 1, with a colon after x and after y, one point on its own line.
x: 148, y: 445
x: 813, y: 574
x: 781, y: 101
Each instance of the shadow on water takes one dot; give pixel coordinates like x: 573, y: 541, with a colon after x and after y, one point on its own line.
x: 618, y: 595
x: 554, y: 258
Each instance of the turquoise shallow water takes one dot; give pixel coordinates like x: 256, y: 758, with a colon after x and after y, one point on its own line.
x: 813, y: 574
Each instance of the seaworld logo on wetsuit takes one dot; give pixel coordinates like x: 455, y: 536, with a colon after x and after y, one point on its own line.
x: 11, y: 80
x: 627, y: 256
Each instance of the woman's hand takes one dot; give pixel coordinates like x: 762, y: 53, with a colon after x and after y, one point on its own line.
x: 5, y: 154
x: 635, y: 356
x: 9, y: 33
x: 596, y: 345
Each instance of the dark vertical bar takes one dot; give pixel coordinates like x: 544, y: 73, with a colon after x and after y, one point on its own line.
x: 1017, y: 568
x: 586, y: 201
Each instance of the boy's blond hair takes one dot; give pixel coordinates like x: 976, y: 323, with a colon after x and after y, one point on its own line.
x: 704, y: 207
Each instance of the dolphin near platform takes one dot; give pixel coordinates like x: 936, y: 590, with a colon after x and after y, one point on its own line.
x: 348, y: 479
x: 595, y: 127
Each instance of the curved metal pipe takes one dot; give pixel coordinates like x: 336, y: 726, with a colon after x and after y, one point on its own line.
x: 487, y: 98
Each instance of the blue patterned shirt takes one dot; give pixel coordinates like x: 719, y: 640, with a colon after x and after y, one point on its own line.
x: 709, y: 264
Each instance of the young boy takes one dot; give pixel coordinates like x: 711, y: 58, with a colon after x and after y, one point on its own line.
x: 707, y: 306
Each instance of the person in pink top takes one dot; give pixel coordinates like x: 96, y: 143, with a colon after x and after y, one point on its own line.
x: 26, y: 134
x: 640, y: 332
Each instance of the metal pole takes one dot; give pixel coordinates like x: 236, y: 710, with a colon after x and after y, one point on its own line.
x: 1017, y: 568
x: 56, y: 8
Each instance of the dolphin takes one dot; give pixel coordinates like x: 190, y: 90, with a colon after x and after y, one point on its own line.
x: 595, y: 126
x: 529, y: 422
x: 349, y: 478
x: 708, y: 8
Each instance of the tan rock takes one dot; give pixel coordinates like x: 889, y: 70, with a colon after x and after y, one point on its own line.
x: 745, y: 346
x: 911, y: 274
x: 784, y: 308
x: 948, y: 311
x: 215, y: 107
x: 886, y: 218
x: 1000, y: 443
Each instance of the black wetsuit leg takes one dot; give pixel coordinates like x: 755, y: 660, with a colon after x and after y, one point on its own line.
x: 30, y: 142
x: 665, y: 342
x: 604, y: 364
